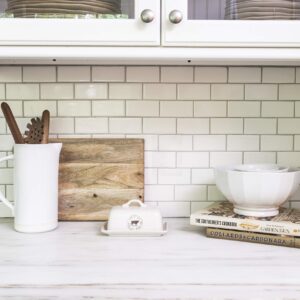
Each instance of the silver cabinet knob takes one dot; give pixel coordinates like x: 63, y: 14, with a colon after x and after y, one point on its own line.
x: 175, y: 16
x: 147, y: 16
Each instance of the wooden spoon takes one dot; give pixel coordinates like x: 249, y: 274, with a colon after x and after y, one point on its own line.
x: 12, y: 124
x: 46, y: 124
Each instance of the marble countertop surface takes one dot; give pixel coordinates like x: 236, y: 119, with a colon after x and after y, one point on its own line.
x: 77, y: 262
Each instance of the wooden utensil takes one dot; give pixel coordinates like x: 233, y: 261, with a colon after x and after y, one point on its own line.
x: 38, y: 130
x: 96, y: 174
x: 12, y: 124
x: 46, y: 124
x: 34, y: 134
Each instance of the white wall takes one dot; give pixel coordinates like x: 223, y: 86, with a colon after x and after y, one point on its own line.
x: 192, y: 118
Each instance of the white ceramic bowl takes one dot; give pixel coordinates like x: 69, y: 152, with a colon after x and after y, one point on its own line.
x: 261, y: 168
x: 257, y: 194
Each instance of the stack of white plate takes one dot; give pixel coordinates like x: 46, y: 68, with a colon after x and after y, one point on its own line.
x: 262, y: 9
x: 31, y: 8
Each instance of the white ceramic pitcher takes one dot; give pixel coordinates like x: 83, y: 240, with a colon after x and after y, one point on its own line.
x: 35, y: 187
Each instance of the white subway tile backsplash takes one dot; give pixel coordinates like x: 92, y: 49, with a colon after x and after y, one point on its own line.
x: 2, y: 91
x: 210, y: 108
x: 244, y: 74
x: 35, y: 108
x: 193, y: 91
x: 22, y: 91
x: 91, y: 125
x: 10, y: 74
x: 125, y: 125
x: 159, y: 193
x: 277, y: 109
x: 6, y: 176
x: 213, y: 194
x: 243, y: 109
x: 159, y: 125
x: 62, y: 125
x: 203, y: 176
x: 289, y: 92
x: 175, y: 209
x: 288, y: 126
x: 177, y: 74
x: 151, y: 175
x: 278, y: 75
x: 74, y: 108
x: 7, y: 142
x: 174, y: 176
x: 108, y: 74
x: 210, y: 142
x: 16, y: 107
x: 73, y: 73
x: 297, y: 75
x: 225, y: 158
x: 190, y: 193
x: 176, y: 108
x: 142, y: 74
x: 192, y: 159
x: 227, y: 92
x: 160, y: 159
x: 211, y: 74
x: 291, y: 159
x: 91, y: 91
x: 39, y: 74
x: 276, y: 143
x: 192, y: 119
x: 260, y: 126
x: 226, y: 125
x: 159, y: 91
x: 58, y: 91
x: 113, y: 108
x: 128, y: 91
x: 2, y: 126
x: 175, y: 143
x: 297, y: 143
x: 142, y: 108
x: 243, y: 143
x: 259, y: 158
x: 261, y: 92
x: 192, y: 126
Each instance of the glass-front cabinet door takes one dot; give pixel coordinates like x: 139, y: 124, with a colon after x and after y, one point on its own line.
x: 80, y: 22
x: 226, y: 23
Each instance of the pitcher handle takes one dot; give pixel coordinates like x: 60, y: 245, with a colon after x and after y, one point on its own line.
x: 2, y: 198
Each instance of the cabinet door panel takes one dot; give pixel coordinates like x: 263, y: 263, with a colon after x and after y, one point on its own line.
x: 228, y: 23
x: 86, y: 22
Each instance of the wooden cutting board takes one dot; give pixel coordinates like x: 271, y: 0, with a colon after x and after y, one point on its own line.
x: 96, y: 174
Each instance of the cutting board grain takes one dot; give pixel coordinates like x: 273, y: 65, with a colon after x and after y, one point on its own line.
x: 96, y: 174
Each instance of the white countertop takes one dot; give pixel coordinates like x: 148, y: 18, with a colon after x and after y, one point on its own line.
x: 77, y: 262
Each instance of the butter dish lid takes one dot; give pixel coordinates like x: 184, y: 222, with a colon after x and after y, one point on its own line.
x: 135, y: 219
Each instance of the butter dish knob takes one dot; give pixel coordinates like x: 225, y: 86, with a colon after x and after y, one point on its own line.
x: 134, y: 201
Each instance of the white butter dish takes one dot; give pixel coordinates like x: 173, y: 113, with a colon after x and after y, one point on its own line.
x: 140, y: 220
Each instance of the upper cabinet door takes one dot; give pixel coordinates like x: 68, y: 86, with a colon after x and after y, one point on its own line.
x: 80, y: 22
x: 226, y: 23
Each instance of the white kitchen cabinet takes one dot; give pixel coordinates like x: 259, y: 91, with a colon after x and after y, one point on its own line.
x: 165, y: 31
x: 203, y: 23
x: 22, y: 27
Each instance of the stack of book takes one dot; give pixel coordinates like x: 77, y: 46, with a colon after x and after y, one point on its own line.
x: 222, y: 223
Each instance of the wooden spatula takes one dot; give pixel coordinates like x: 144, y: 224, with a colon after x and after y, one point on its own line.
x: 12, y: 124
x: 34, y: 134
x: 38, y: 130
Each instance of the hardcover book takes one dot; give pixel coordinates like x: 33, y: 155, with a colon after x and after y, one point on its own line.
x: 253, y: 237
x: 221, y: 215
